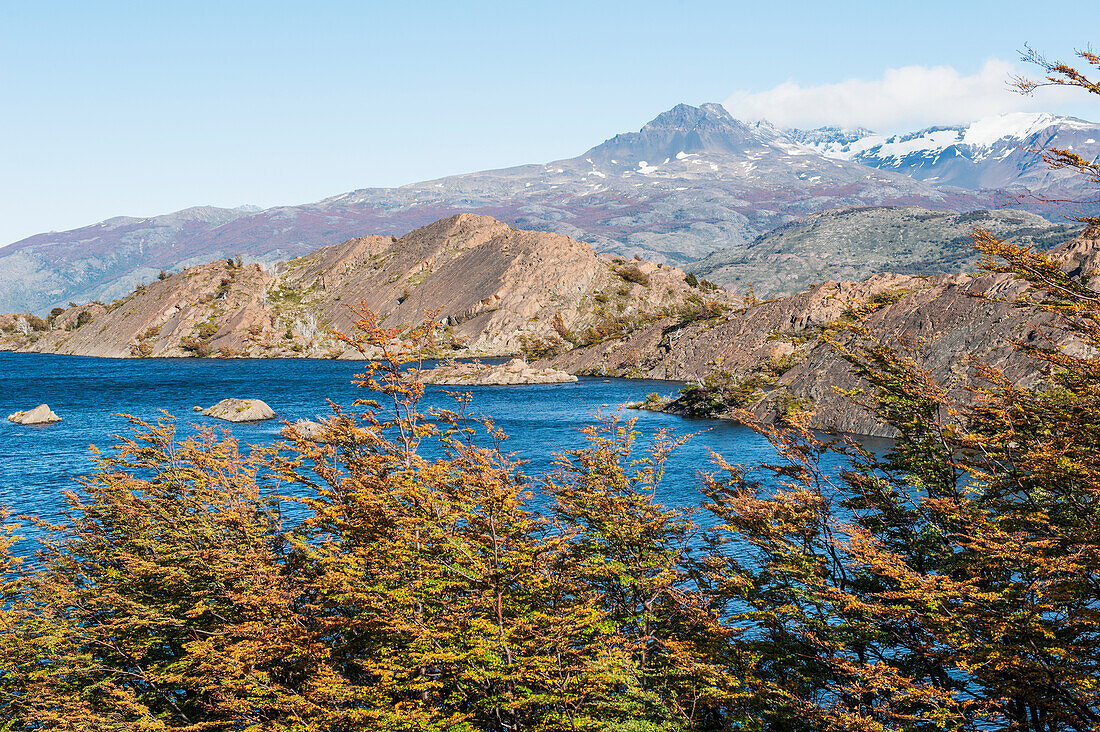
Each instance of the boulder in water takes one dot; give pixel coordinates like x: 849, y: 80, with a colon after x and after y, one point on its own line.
x: 42, y: 414
x: 309, y: 429
x: 240, y: 410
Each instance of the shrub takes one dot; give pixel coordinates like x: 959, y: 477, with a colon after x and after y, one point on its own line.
x: 717, y: 394
x: 196, y: 346
x: 877, y: 302
x: 693, y: 308
x: 789, y: 409
x: 705, y: 285
x: 207, y: 329
x: 535, y: 347
x: 141, y: 349
x: 634, y: 274
x: 609, y: 326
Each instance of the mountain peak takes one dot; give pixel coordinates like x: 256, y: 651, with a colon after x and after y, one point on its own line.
x: 687, y: 117
x: 682, y: 129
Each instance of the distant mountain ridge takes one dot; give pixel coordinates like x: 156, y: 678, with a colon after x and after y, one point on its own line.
x: 1001, y: 152
x: 855, y: 243
x: 690, y: 182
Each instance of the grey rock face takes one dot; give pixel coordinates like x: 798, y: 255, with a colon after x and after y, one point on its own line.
x: 497, y: 289
x: 940, y: 321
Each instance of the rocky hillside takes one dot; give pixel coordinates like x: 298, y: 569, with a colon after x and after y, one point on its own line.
x: 771, y: 356
x: 855, y: 243
x: 495, y: 290
x: 691, y: 181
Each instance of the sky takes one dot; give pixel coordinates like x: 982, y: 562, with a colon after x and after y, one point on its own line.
x: 115, y: 108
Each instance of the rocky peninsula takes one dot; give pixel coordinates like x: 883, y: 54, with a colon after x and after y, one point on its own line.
x: 513, y: 373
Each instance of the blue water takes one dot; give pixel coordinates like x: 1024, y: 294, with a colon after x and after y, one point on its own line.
x: 38, y: 463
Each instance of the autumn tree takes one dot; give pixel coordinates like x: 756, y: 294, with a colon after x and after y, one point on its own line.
x: 162, y: 602
x: 949, y: 583
x: 635, y: 561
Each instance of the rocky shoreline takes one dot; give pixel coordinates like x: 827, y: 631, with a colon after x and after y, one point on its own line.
x: 513, y: 373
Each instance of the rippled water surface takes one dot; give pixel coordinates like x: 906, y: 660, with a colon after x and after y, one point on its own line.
x: 38, y: 463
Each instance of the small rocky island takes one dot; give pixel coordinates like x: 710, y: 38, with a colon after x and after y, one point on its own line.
x: 42, y: 414
x: 240, y: 410
x: 474, y: 373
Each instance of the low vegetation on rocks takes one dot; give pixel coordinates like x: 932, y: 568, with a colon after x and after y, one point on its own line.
x: 722, y: 393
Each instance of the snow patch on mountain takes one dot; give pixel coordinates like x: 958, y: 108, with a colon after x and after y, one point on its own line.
x: 992, y: 153
x: 979, y: 137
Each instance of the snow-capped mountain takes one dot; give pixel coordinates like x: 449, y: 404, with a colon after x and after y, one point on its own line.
x: 828, y: 139
x: 1002, y: 152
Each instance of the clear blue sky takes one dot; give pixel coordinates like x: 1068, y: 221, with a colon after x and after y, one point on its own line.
x: 112, y: 108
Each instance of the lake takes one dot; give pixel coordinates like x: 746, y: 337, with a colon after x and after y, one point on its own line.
x: 90, y: 394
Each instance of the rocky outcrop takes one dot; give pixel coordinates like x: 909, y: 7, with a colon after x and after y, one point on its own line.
x: 941, y: 321
x: 514, y: 372
x: 42, y: 414
x: 309, y: 429
x: 494, y: 290
x: 240, y: 410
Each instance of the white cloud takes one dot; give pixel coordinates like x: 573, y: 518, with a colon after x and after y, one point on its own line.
x: 907, y: 98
